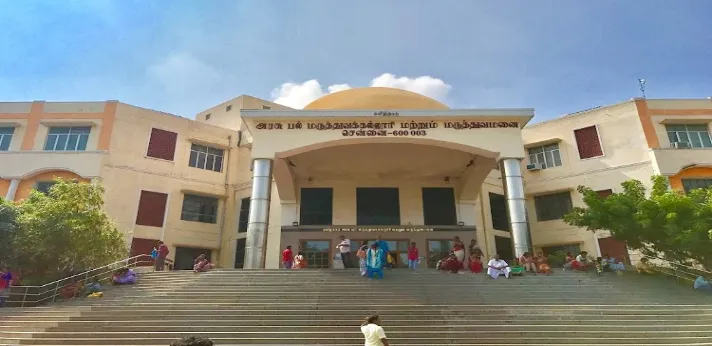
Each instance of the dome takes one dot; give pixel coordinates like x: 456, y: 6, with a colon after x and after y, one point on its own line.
x: 375, y: 98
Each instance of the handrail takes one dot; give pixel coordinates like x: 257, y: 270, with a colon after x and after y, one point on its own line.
x: 42, y: 292
x: 682, y: 271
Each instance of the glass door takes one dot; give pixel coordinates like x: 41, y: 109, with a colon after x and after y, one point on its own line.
x: 317, y: 253
x: 399, y: 251
x: 437, y: 250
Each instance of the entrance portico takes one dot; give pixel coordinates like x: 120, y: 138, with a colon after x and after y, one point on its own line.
x: 345, y: 164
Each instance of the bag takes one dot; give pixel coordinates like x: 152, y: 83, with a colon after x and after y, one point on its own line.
x: 154, y: 253
x: 389, y: 259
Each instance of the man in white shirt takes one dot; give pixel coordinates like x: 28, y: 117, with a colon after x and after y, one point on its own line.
x: 345, y: 250
x: 373, y: 333
x: 497, y: 267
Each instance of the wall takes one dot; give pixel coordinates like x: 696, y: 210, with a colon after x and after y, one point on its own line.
x: 625, y: 157
x: 220, y: 116
x: 128, y: 171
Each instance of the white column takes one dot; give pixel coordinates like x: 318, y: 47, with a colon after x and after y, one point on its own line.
x: 516, y: 205
x: 597, y: 244
x: 259, y: 214
x: 12, y: 190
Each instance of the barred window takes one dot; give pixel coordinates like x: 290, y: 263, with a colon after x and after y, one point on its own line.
x: 547, y: 156
x: 199, y: 208
x: 553, y: 206
x: 67, y: 138
x: 697, y: 136
x: 205, y: 157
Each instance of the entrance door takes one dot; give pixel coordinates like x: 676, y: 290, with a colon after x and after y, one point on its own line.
x: 240, y: 253
x: 615, y: 248
x: 503, y: 247
x: 185, y: 257
x: 317, y: 253
x: 398, y: 249
x: 437, y: 250
x: 140, y: 246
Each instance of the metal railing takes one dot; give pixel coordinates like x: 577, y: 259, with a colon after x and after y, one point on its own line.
x: 678, y: 270
x: 37, y: 295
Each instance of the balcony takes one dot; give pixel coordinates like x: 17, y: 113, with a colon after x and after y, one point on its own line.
x: 670, y: 161
x: 19, y: 164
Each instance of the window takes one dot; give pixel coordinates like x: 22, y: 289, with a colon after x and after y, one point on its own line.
x: 377, y: 206
x: 498, y: 209
x: 588, y: 142
x: 265, y: 107
x: 244, y: 215
x: 151, y: 208
x: 6, y: 137
x: 162, y: 144
x: 228, y: 108
x: 439, y: 206
x: 553, y: 206
x: 206, y: 158
x: 199, y: 208
x: 207, y: 116
x: 67, y: 138
x: 316, y: 206
x: 697, y: 136
x: 604, y: 193
x: 547, y: 156
x: 691, y: 184
x: 44, y: 186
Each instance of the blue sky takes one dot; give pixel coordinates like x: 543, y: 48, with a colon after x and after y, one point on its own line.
x: 182, y: 56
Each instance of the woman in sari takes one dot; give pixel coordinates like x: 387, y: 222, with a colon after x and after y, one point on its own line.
x: 299, y: 261
x: 124, y: 276
x: 374, y: 261
x: 458, y: 248
x: 568, y: 261
x: 542, y: 263
x: 527, y: 261
x: 201, y: 264
x: 451, y: 264
x: 361, y: 254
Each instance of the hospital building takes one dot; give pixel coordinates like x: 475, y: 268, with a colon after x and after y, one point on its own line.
x: 248, y: 177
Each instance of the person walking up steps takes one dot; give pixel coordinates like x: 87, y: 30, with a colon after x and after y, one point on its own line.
x: 373, y: 332
x: 287, y: 257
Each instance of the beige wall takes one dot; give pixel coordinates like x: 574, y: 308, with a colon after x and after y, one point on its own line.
x: 220, y: 116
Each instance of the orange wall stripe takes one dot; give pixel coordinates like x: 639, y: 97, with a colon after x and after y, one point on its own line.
x: 651, y: 137
x: 107, y: 125
x: 33, y: 122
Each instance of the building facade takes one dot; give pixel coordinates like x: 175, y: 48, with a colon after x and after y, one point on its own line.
x: 248, y: 177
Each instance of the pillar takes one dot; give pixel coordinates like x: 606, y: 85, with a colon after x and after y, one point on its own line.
x: 259, y: 214
x: 12, y: 189
x: 516, y: 205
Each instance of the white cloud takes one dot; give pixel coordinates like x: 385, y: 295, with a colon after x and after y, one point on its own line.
x: 181, y: 72
x: 298, y: 95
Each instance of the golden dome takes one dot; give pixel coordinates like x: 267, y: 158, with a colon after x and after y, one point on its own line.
x: 375, y: 98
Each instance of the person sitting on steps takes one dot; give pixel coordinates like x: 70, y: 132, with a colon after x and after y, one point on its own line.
x: 497, y: 267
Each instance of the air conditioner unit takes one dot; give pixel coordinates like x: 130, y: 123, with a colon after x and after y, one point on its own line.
x: 681, y: 145
x: 535, y: 166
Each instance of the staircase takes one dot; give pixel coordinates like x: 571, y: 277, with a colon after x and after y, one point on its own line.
x: 313, y: 307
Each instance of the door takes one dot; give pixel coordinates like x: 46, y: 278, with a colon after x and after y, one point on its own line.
x: 503, y: 246
x: 140, y: 246
x: 317, y: 253
x: 614, y: 247
x: 185, y: 257
x: 437, y: 250
x: 240, y: 253
x: 398, y: 249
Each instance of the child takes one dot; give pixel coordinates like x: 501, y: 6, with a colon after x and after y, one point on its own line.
x: 412, y: 256
x: 93, y: 286
x: 475, y: 263
x: 389, y: 261
x: 599, y: 266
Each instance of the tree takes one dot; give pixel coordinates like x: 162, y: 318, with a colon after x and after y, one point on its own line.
x: 8, y: 230
x: 65, y: 231
x: 668, y: 223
